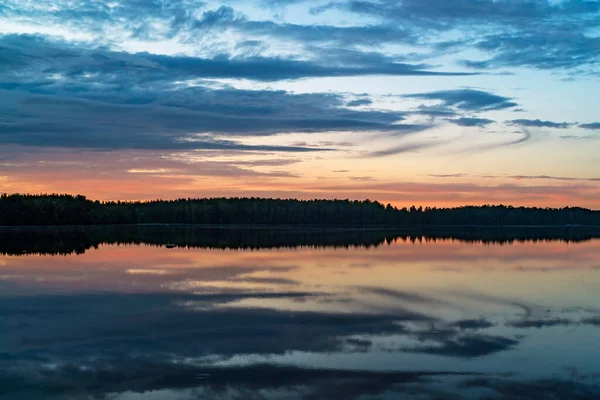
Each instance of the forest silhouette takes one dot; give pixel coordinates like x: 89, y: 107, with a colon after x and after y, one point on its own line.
x: 55, y: 209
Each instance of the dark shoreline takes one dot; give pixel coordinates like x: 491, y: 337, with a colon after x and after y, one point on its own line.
x: 63, y: 240
x: 301, y: 227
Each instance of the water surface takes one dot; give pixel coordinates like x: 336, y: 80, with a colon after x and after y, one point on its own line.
x: 275, y: 314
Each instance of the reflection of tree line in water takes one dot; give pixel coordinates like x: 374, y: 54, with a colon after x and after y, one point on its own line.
x: 68, y: 240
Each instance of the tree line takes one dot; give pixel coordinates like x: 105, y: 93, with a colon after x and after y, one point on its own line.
x: 61, y: 209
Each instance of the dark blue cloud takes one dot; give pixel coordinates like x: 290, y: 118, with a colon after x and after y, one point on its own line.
x: 137, y: 17
x: 273, y: 69
x: 63, y: 95
x: 540, y: 323
x: 467, y: 99
x: 44, y: 56
x: 591, y: 126
x: 536, y: 123
x: 359, y: 102
x: 442, y: 14
x: 445, y: 15
x: 565, y: 49
x: 470, y: 122
x: 403, y: 148
x: 534, y: 33
x: 480, y: 323
x: 185, y: 119
x: 85, y: 95
x: 225, y: 18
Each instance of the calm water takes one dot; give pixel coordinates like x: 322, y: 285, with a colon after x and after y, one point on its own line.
x: 226, y: 314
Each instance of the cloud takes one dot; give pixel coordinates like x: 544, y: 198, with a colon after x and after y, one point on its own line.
x: 538, y: 34
x: 536, y: 123
x: 106, y: 100
x: 226, y: 19
x: 56, y: 121
x: 150, y: 20
x: 591, y: 126
x: 137, y: 169
x: 362, y: 178
x: 550, y: 177
x: 359, y: 102
x: 556, y: 49
x: 469, y: 122
x: 192, y: 22
x: 164, y: 76
x: 540, y: 323
x: 460, y: 175
x: 40, y: 53
x: 577, y: 138
x: 467, y: 99
x: 525, y: 137
x: 517, y: 177
x: 535, y: 33
x: 442, y: 15
x: 273, y: 69
x: 480, y: 323
x: 405, y: 148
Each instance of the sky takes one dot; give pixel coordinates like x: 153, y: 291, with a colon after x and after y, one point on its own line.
x: 433, y: 103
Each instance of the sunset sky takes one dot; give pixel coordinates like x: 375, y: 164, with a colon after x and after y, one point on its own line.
x: 426, y: 102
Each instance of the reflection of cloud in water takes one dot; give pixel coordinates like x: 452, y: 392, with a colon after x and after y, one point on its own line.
x: 401, y: 296
x: 122, y: 378
x: 159, y: 321
x: 468, y: 345
x: 557, y: 388
x: 527, y: 309
x: 592, y: 321
x: 266, y: 324
x: 146, y: 374
x: 197, y: 325
x: 139, y: 271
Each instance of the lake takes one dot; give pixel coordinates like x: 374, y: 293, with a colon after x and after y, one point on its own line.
x: 298, y: 314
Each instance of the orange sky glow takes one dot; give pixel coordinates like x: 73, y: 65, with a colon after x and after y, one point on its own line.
x: 143, y: 175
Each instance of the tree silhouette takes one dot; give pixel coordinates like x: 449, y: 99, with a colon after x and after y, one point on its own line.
x: 57, y: 209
